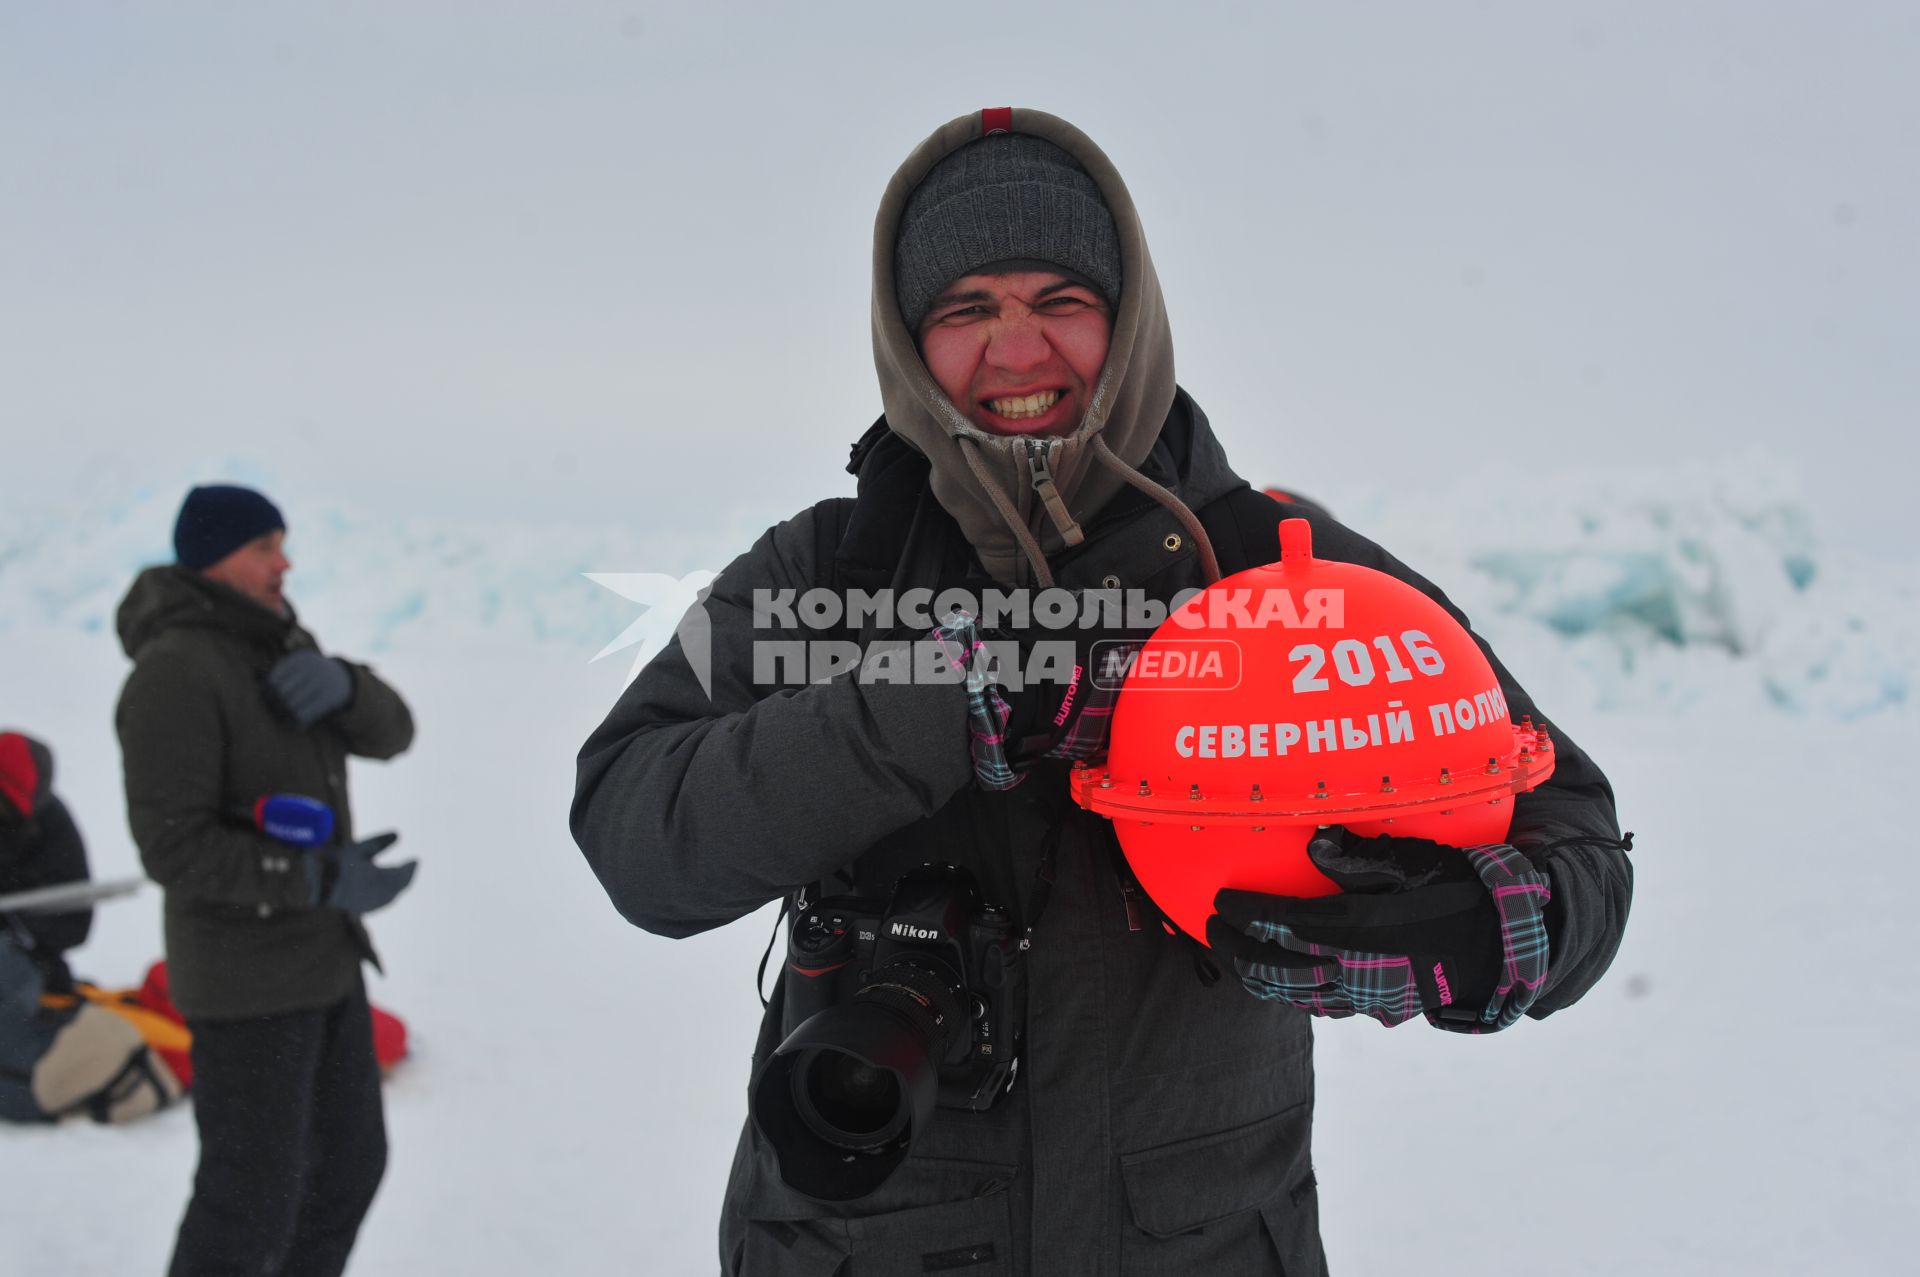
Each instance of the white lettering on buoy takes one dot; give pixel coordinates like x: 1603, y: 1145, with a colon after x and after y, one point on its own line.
x: 1353, y: 661
x: 1394, y: 726
x: 1269, y: 740
x: 1464, y: 715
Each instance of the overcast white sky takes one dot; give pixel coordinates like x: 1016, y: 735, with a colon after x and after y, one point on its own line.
x: 606, y: 260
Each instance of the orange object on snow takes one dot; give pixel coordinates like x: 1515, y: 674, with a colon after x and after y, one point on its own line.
x: 389, y: 1030
x: 165, y: 1034
x: 1296, y: 695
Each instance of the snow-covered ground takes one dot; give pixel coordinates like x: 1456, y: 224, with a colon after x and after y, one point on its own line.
x: 1735, y: 1097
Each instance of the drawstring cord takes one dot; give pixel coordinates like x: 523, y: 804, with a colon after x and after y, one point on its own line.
x: 1057, y: 510
x: 1209, y: 562
x: 1624, y: 843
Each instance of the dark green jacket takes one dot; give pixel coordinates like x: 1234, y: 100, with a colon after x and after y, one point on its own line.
x: 201, y: 744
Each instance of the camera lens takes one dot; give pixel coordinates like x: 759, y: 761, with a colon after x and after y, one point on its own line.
x: 925, y: 998
x: 881, y: 1015
x: 846, y: 1100
x: 841, y: 1098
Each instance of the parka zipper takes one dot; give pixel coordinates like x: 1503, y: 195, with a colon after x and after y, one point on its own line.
x: 1038, y: 453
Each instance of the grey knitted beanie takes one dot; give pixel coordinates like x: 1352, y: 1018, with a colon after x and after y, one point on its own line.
x: 1004, y: 198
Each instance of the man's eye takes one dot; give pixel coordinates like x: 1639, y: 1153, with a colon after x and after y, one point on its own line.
x: 1064, y: 303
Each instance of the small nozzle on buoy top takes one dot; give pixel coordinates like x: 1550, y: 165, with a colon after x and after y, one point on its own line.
x: 1296, y: 540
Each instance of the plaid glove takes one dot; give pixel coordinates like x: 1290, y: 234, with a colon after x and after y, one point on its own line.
x: 1459, y: 936
x: 987, y: 709
x: 1011, y: 723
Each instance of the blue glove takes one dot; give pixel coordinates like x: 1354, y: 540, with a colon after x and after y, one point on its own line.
x: 308, y: 687
x: 345, y: 878
x: 1459, y: 936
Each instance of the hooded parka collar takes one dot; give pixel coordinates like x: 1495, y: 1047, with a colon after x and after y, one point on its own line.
x: 167, y: 596
x: 1002, y: 490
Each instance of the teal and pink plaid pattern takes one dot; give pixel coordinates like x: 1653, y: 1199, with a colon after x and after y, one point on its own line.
x: 1091, y: 724
x: 987, y: 710
x: 1082, y: 717
x: 1385, y: 986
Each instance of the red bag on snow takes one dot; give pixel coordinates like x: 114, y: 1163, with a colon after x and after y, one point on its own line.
x: 389, y: 1030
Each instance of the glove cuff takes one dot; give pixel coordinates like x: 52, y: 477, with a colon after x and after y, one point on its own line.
x: 1520, y: 893
x: 988, y: 712
x: 323, y: 871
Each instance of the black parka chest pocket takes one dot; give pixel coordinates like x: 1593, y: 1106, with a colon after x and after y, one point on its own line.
x: 1242, y: 1201
x: 960, y: 1224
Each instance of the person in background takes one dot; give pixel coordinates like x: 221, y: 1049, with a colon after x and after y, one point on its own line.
x: 40, y: 846
x: 231, y: 701
x: 60, y: 1054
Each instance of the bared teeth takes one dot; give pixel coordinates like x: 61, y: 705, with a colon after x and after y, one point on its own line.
x: 1025, y: 405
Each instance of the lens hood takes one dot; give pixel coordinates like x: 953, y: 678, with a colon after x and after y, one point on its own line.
x: 843, y: 1096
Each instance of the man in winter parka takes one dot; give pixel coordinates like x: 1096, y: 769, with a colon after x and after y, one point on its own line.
x: 230, y: 702
x: 1034, y: 436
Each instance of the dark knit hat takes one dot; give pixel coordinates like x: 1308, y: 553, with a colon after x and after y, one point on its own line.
x: 218, y: 519
x: 1005, y: 198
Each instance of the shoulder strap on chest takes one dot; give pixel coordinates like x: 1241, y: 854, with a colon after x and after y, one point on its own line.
x: 1244, y: 526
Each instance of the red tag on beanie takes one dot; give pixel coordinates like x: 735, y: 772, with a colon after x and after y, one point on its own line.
x: 19, y: 776
x: 996, y: 119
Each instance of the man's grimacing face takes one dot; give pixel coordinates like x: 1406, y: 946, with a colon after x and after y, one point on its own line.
x: 257, y: 569
x: 1017, y: 353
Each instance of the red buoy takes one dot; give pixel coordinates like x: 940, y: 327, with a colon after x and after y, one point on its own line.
x: 1295, y: 695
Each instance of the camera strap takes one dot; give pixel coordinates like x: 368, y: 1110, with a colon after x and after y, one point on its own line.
x: 760, y: 975
x: 1141, y: 910
x: 790, y: 906
x: 1042, y: 883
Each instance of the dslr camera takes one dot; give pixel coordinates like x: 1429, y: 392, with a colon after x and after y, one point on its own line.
x: 892, y: 1008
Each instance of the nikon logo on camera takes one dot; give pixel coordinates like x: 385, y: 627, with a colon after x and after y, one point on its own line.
x: 912, y: 932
